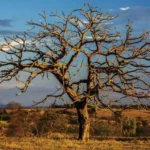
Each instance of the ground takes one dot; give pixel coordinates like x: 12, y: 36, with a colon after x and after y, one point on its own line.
x: 68, y: 140
x: 62, y: 143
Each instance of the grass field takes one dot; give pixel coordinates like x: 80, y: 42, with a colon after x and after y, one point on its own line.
x: 62, y: 143
x: 68, y: 141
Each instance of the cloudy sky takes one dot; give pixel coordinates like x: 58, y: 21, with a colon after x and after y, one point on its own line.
x: 14, y: 14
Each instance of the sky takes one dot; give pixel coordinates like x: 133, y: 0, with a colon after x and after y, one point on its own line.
x: 13, y: 21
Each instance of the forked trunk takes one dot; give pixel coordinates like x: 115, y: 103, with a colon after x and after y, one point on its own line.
x: 83, y: 119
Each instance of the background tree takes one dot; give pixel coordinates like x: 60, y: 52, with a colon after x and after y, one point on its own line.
x: 19, y: 124
x: 51, y: 122
x: 14, y: 105
x: 89, y: 58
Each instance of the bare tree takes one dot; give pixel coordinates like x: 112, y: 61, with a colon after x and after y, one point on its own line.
x: 89, y: 58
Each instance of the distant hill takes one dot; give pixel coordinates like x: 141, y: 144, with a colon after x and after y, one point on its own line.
x: 2, y: 106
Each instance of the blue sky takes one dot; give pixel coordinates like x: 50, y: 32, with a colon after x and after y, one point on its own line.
x: 15, y: 14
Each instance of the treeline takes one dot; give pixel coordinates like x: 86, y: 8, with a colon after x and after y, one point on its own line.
x: 142, y: 106
x: 11, y: 105
x: 22, y: 122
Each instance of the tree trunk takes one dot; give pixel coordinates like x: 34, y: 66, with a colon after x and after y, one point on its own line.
x: 83, y: 119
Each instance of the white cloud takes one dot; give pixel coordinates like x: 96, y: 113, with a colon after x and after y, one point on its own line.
x: 89, y: 37
x: 7, y: 47
x: 80, y: 22
x: 12, y: 84
x: 110, y: 10
x: 124, y: 8
x: 85, y: 21
x: 108, y: 23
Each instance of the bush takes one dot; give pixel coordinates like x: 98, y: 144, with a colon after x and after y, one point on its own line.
x: 129, y: 126
x: 142, y: 127
x: 19, y: 125
x: 51, y: 122
x: 139, y: 129
x: 14, y: 105
x: 101, y: 129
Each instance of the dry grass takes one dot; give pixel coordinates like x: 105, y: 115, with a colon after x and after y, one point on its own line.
x: 104, y: 112
x: 60, y: 142
x: 128, y: 112
x: 145, y: 114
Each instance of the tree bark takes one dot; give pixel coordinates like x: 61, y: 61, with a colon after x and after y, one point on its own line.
x: 83, y: 119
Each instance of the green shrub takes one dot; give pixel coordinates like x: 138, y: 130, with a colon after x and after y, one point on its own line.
x: 101, y: 129
x: 129, y: 126
x: 51, y: 122
x: 139, y: 129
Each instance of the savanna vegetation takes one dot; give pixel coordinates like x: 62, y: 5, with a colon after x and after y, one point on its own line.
x: 42, y: 127
x: 113, y: 63
x: 91, y: 62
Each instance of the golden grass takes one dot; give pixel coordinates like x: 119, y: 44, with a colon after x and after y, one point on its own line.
x: 104, y: 112
x: 60, y: 142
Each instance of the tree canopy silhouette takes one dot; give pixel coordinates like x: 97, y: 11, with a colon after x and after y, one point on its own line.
x: 91, y: 60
